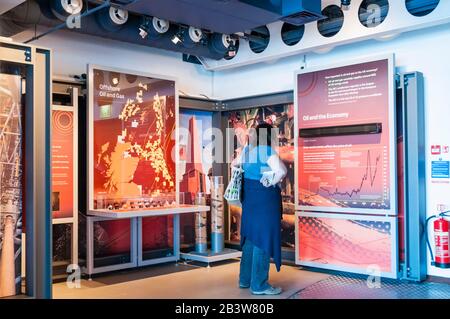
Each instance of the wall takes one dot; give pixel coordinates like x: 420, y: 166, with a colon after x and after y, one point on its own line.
x: 426, y: 51
x: 72, y: 52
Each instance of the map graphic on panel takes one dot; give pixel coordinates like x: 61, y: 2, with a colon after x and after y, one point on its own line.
x: 134, y: 120
x: 344, y: 145
x: 134, y: 117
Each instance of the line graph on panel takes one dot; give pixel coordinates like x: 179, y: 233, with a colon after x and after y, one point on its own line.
x: 355, y: 178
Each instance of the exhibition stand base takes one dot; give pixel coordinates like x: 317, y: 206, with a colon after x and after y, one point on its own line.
x: 210, y: 257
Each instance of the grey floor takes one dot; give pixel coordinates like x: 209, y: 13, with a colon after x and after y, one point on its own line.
x: 169, y: 281
x: 358, y: 287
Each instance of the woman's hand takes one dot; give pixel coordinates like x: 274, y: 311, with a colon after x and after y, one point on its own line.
x: 278, y: 171
x: 267, y: 179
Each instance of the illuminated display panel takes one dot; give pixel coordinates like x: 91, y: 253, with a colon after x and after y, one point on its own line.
x: 62, y: 163
x: 341, y: 169
x: 132, y: 122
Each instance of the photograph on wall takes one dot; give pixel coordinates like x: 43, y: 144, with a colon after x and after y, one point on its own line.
x: 345, y: 146
x: 195, y: 166
x: 282, y: 118
x: 11, y: 135
x: 133, y: 120
x: 62, y: 164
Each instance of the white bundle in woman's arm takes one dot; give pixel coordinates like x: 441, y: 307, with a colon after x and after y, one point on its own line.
x: 277, y: 171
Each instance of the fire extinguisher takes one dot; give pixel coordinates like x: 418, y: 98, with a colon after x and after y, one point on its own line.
x: 441, y: 228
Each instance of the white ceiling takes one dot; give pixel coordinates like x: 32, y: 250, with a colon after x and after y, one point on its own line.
x: 6, y: 5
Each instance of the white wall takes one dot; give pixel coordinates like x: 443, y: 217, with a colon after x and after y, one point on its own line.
x: 72, y: 52
x: 427, y: 51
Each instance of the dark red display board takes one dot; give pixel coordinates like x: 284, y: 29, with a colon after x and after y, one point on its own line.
x: 133, y: 119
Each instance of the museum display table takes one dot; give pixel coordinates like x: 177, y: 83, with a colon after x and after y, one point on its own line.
x: 135, y: 216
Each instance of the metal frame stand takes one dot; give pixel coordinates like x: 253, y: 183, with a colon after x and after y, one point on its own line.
x: 90, y: 260
x: 411, y: 87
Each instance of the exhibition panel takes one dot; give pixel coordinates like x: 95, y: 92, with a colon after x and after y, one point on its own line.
x: 132, y: 119
x: 346, y: 164
x: 346, y: 147
x: 195, y: 165
x: 133, y: 151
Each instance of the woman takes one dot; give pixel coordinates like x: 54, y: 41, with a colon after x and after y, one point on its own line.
x: 261, y: 211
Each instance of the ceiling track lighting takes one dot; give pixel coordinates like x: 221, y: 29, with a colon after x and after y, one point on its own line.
x: 144, y: 27
x: 178, y: 37
x: 345, y: 4
x: 153, y: 26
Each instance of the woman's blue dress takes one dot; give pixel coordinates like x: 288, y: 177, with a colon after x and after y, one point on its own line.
x: 261, y: 206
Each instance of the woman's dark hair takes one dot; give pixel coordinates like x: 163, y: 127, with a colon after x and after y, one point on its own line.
x: 264, y: 134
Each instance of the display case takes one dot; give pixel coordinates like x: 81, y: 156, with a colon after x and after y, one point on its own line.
x: 133, y: 202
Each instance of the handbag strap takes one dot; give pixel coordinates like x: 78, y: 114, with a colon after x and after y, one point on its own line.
x: 242, y: 156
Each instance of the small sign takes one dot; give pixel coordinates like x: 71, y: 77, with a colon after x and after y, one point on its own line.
x: 440, y: 169
x: 435, y: 149
x: 105, y: 111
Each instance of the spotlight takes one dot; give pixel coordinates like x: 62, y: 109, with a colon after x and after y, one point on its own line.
x: 178, y: 37
x: 160, y: 25
x: 195, y: 35
x: 345, y: 4
x: 232, y: 49
x: 144, y: 27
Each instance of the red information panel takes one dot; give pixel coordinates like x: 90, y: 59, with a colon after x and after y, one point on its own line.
x: 134, y: 117
x: 132, y: 122
x: 348, y: 242
x: 62, y: 164
x: 346, y: 160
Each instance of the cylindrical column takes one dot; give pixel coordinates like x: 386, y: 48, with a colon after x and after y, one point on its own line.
x: 201, y: 239
x: 7, y: 267
x: 217, y: 215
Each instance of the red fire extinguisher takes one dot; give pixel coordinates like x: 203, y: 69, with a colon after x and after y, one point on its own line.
x: 441, y: 242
